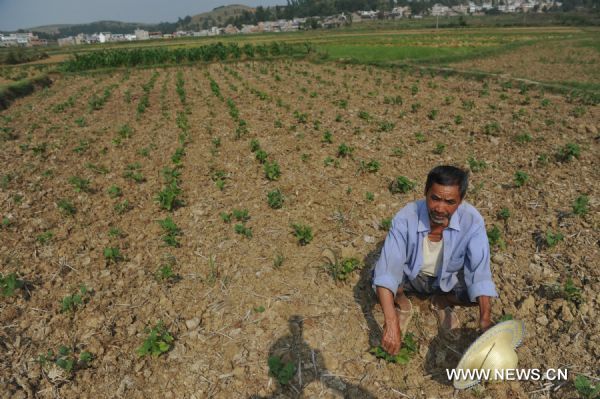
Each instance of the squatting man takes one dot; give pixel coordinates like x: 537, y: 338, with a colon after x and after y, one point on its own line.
x: 436, y: 247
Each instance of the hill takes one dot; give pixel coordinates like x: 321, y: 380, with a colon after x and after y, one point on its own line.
x: 218, y: 16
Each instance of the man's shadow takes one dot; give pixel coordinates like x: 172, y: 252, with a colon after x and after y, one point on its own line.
x: 444, y: 353
x: 293, y: 364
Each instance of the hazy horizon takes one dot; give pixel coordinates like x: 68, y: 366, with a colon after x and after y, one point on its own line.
x: 25, y: 14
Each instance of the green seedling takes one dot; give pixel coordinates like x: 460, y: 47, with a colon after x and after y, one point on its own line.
x: 66, y: 206
x: 492, y: 129
x: 5, y: 222
x: 261, y: 156
x: 520, y: 178
x: 272, y: 171
x: 439, y: 148
x: 397, y: 152
x: 178, y: 155
x: 386, y: 126
x: 259, y: 309
x: 407, y: 351
x: 568, y: 152
x: 241, y: 215
x: 82, y: 147
x: 171, y: 231
x: 344, y: 150
x: 327, y: 137
x: 114, y: 191
x: 432, y: 114
x: 45, y: 237
x: 585, y: 388
x: 397, y: 100
x: 341, y: 270
x: 71, y: 302
x: 165, y: 272
x: 112, y: 255
x: 6, y: 179
x: 66, y: 359
x: 125, y: 131
x: 115, y: 233
x: 385, y: 224
x: 278, y: 261
x: 283, y: 372
x: 552, y: 238
x: 503, y: 214
x: 495, y: 237
x: 275, y: 199
x: 578, y: 111
x: 122, y: 207
x: 580, y: 206
x: 401, y: 184
x: 135, y: 176
x: 369, y: 196
x: 80, y: 184
x: 9, y: 283
x: 225, y: 217
x: 243, y: 230
x: 254, y: 145
x: 167, y: 198
x: 171, y: 175
x: 523, y: 138
x: 505, y: 317
x: 303, y: 233
x: 476, y: 165
x: 328, y: 161
x: 158, y: 341
x: 420, y: 137
x: 372, y: 166
x: 572, y: 293
x: 458, y: 119
x: 81, y: 122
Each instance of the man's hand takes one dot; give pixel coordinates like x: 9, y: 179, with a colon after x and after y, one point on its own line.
x: 485, y: 311
x: 392, y: 337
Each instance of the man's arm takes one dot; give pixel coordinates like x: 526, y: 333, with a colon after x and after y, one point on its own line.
x: 485, y: 312
x: 392, y: 336
x: 388, y: 276
x: 478, y: 275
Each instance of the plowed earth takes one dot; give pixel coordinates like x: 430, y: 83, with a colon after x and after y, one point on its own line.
x: 233, y: 306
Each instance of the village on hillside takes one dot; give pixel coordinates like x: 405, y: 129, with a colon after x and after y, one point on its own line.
x: 333, y: 21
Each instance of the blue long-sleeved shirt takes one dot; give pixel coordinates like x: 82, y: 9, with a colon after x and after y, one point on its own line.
x: 466, y: 247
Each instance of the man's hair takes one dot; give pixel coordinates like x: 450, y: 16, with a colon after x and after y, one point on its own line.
x: 448, y: 176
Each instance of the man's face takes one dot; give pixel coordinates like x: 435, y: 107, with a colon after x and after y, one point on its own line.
x: 442, y: 202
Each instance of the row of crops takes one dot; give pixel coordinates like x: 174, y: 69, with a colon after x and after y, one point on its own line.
x: 112, y: 58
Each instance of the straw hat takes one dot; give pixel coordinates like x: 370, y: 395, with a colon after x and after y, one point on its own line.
x: 494, y: 350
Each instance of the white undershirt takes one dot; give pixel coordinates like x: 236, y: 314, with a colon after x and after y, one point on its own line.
x: 433, y: 255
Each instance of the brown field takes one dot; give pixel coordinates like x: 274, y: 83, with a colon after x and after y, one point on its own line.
x: 549, y: 61
x: 232, y: 306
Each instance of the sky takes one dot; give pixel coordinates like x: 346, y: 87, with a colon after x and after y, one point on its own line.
x: 23, y: 14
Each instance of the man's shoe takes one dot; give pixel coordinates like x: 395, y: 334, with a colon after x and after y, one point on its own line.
x: 446, y: 316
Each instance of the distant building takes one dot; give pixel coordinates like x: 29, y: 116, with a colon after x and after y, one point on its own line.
x: 155, y: 35
x: 141, y: 34
x: 231, y: 30
x: 104, y: 37
x: 439, y: 10
x: 66, y: 41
